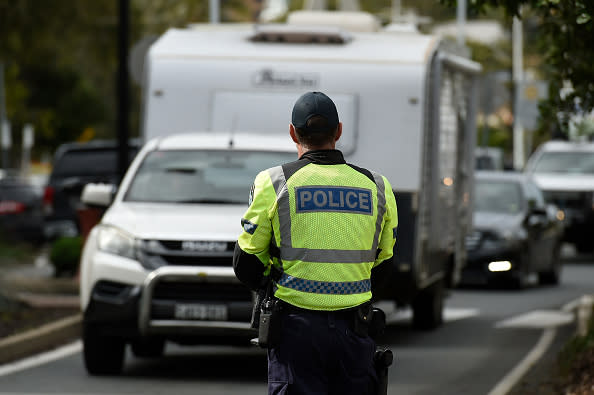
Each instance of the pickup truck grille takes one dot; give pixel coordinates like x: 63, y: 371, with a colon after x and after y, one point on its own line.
x: 569, y: 199
x: 473, y: 240
x: 156, y: 253
x: 197, y: 260
x: 200, y: 292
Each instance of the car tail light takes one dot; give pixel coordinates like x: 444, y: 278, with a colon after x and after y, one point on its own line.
x: 48, y: 200
x: 11, y: 207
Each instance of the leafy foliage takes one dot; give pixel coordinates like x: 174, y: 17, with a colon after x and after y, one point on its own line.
x: 566, y: 34
x: 60, y: 60
x: 65, y: 255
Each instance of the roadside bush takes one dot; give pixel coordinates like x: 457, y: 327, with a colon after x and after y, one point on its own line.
x: 575, y: 362
x: 65, y: 255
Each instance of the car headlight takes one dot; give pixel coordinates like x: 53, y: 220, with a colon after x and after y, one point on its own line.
x: 115, y: 241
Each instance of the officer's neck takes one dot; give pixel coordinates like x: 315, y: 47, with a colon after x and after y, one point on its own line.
x: 302, y: 149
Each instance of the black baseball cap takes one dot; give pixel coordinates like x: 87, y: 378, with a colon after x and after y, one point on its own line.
x: 314, y: 103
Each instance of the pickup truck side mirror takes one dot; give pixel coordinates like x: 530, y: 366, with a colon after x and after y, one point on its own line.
x: 538, y: 217
x: 98, y: 195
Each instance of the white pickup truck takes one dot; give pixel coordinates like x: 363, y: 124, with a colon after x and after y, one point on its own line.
x: 158, y: 266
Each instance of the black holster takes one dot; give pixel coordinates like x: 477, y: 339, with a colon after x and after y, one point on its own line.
x: 269, y: 323
x: 382, y: 359
x: 362, y: 319
x: 265, y: 314
x: 369, y: 321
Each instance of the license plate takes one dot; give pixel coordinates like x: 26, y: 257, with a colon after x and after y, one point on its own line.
x: 195, y: 311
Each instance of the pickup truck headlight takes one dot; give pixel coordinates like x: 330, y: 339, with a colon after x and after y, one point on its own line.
x: 115, y: 241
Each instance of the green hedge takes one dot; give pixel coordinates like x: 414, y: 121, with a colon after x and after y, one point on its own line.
x: 65, y: 255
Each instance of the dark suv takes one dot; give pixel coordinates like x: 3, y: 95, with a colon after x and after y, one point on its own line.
x: 21, y: 217
x: 74, y: 166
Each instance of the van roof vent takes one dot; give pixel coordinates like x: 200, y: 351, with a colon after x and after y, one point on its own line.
x: 352, y: 21
x: 300, y: 34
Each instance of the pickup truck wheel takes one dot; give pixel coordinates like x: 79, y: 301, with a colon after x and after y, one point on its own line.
x: 148, y: 348
x: 428, y: 307
x: 103, y: 355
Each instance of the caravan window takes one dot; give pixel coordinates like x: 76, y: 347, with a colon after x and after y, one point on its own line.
x: 243, y: 111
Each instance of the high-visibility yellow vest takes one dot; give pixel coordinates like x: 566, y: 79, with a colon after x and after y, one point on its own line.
x: 331, y: 223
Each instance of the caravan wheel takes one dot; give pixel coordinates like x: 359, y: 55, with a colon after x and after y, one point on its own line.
x: 428, y: 307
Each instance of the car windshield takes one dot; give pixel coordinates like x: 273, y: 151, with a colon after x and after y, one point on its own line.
x: 18, y: 192
x: 201, y: 176
x: 566, y: 162
x: 494, y: 196
x: 89, y: 162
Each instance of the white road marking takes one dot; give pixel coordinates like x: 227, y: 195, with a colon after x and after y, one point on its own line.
x: 545, y: 341
x: 40, y: 359
x: 457, y: 313
x: 537, y: 319
x: 510, y: 379
x: 395, y: 316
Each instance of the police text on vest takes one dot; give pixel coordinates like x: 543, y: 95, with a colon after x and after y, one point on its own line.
x: 333, y: 199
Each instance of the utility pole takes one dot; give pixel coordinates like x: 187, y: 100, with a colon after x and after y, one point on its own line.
x: 213, y: 11
x: 518, y: 79
x: 461, y: 22
x: 4, y: 127
x: 123, y: 114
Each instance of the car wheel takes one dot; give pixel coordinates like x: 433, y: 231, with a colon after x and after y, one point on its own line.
x: 551, y: 277
x: 148, y: 348
x: 103, y: 355
x: 428, y: 307
x: 519, y: 278
x: 584, y: 246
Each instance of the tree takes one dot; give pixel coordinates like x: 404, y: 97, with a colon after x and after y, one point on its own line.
x: 60, y: 60
x: 566, y: 35
x: 56, y: 55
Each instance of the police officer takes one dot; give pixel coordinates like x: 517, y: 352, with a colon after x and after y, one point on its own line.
x: 328, y: 227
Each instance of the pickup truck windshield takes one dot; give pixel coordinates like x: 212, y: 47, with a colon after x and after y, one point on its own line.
x: 201, y: 176
x: 566, y: 162
x: 503, y: 197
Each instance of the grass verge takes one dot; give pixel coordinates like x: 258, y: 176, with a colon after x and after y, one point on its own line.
x: 575, y: 363
x: 16, y: 252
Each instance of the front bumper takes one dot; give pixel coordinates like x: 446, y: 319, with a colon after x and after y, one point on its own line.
x: 477, y: 270
x: 129, y: 311
x: 578, y: 225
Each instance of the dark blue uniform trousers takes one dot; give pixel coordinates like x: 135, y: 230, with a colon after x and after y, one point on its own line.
x: 319, y: 354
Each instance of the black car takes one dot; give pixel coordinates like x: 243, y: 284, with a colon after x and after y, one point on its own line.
x: 564, y: 171
x: 74, y: 166
x: 21, y: 214
x: 515, y: 233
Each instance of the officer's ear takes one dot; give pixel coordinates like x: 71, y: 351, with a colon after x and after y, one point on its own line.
x: 338, y: 131
x: 293, y: 134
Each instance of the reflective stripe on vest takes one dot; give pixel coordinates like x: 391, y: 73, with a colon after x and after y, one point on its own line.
x: 325, y: 287
x: 288, y: 252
